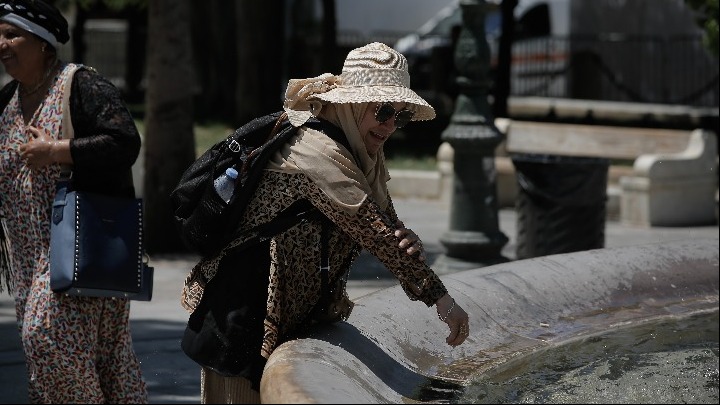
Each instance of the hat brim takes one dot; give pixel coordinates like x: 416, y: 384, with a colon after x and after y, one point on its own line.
x: 380, y: 94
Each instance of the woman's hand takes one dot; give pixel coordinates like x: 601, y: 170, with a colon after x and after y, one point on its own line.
x: 42, y: 150
x: 410, y: 241
x: 455, y: 317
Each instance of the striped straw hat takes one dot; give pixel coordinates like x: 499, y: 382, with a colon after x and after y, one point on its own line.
x: 376, y: 73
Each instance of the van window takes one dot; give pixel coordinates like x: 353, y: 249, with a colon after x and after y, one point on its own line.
x: 445, y: 26
x: 493, y: 24
x: 534, y: 23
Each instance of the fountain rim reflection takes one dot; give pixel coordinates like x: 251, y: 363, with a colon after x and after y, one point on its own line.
x: 390, y: 347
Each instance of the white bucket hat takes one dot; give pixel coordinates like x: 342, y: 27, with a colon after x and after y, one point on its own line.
x: 371, y: 73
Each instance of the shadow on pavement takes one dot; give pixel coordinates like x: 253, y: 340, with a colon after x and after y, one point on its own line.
x: 171, y: 377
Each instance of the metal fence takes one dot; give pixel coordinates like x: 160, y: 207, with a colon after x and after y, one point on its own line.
x: 662, y: 70
x: 646, y: 69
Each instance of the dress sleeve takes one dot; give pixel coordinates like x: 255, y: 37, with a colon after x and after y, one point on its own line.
x: 374, y: 230
x: 106, y: 137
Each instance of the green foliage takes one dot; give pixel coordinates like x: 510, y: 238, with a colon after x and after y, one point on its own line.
x: 206, y: 135
x: 708, y: 20
x: 411, y: 162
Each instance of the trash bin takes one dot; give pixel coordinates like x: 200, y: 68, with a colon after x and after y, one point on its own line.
x: 560, y: 204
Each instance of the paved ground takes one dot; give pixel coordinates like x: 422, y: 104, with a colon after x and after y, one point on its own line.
x: 158, y: 325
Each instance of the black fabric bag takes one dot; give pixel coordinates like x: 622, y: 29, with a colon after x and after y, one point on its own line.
x: 225, y: 332
x: 206, y: 223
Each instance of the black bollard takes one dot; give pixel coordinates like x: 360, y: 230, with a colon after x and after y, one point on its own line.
x: 474, y: 238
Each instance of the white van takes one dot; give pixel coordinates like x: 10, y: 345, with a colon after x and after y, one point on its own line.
x: 623, y: 50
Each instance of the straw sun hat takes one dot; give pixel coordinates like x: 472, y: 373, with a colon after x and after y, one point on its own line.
x: 371, y: 73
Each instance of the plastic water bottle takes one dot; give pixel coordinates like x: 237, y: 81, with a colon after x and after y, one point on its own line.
x: 225, y: 184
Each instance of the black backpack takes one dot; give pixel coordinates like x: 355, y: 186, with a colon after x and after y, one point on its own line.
x: 205, y: 221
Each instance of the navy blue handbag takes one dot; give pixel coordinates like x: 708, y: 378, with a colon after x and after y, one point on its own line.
x: 96, y: 246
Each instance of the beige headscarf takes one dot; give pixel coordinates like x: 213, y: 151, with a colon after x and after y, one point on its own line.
x: 347, y: 177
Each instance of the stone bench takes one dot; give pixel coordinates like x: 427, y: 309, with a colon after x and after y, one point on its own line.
x: 672, y: 180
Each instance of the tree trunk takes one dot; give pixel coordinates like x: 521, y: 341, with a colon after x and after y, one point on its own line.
x: 136, y: 52
x: 260, y: 49
x: 78, y: 35
x: 169, y: 139
x: 329, y: 36
x: 216, y: 61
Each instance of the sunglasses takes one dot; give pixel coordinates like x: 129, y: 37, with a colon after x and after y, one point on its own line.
x: 385, y: 111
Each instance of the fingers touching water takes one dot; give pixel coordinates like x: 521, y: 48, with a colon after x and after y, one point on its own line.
x: 450, y: 312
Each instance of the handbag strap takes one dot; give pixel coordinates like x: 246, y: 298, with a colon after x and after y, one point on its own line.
x: 68, y: 132
x: 59, y: 202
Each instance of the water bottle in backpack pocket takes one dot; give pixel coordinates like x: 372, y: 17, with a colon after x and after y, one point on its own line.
x: 225, y: 184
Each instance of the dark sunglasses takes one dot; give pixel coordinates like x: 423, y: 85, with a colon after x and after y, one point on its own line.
x: 385, y: 111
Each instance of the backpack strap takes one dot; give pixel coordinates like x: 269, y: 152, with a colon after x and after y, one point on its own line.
x: 297, y: 212
x: 335, y: 133
x: 325, y: 258
x: 278, y: 126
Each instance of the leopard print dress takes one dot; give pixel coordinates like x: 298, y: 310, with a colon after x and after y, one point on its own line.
x: 293, y: 282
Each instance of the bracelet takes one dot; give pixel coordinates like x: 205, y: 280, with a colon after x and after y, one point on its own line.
x: 448, y: 313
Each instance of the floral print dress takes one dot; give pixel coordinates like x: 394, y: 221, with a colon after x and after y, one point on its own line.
x: 77, y: 349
